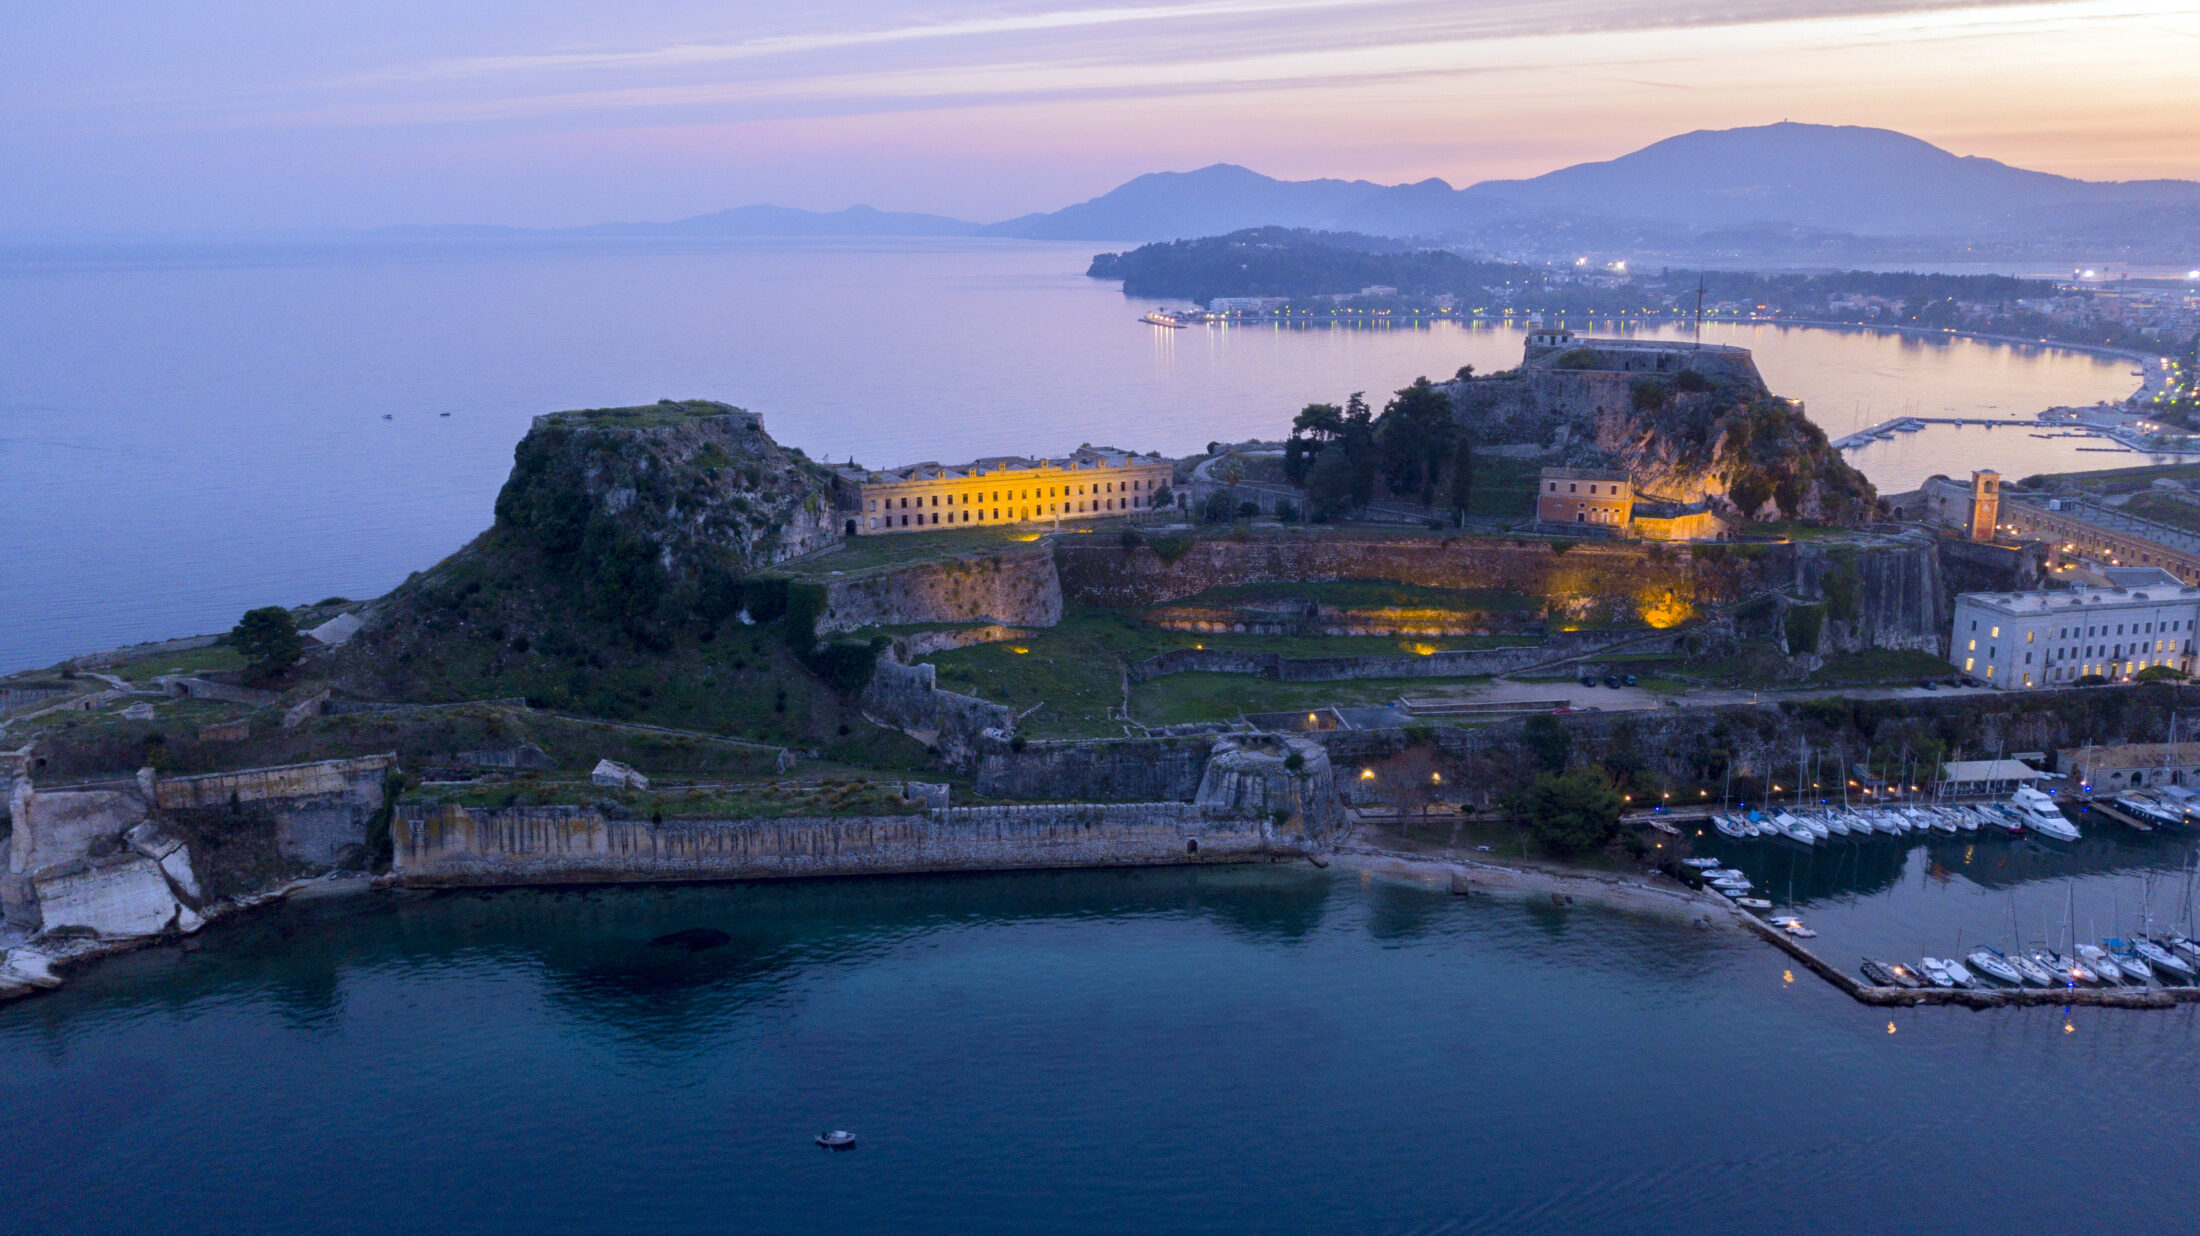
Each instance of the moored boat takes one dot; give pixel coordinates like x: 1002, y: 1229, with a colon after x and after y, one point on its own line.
x: 1992, y: 964
x: 2166, y: 964
x: 2038, y: 813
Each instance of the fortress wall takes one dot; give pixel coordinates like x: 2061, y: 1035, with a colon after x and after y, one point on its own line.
x: 908, y: 697
x: 320, y: 809
x: 1612, y: 576
x: 1443, y: 664
x: 1017, y: 587
x: 546, y: 845
x: 1115, y: 769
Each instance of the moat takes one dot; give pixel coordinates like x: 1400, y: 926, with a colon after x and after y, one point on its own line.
x: 1233, y: 1049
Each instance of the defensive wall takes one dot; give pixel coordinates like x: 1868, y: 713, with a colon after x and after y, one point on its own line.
x: 908, y: 698
x: 1097, y: 769
x: 1018, y: 587
x: 452, y: 845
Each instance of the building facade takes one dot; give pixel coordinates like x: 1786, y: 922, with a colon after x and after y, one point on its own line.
x: 1585, y: 496
x: 2132, y: 764
x: 1091, y: 484
x: 2020, y: 640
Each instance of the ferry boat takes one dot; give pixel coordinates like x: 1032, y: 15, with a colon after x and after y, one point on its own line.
x: 1163, y: 318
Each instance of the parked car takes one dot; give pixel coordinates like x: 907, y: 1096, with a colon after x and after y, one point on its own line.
x: 1588, y: 680
x: 1611, y: 680
x: 1630, y: 680
x: 1930, y: 685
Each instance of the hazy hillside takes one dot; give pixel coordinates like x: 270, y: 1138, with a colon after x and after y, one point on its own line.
x: 1212, y: 200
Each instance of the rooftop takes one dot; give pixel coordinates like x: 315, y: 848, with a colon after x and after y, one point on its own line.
x: 1586, y: 474
x: 2134, y: 755
x: 2022, y: 604
x: 1083, y: 457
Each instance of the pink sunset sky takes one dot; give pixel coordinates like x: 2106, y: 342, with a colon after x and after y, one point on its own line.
x: 248, y: 113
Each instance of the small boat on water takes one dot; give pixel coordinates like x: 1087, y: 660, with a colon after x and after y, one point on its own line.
x: 1888, y: 974
x: 2149, y: 810
x: 1728, y: 826
x: 837, y: 1139
x: 2029, y: 970
x: 2104, y: 966
x: 1753, y: 903
x: 2165, y: 963
x: 1794, y: 829
x: 2134, y: 966
x: 1700, y: 864
x: 2066, y: 971
x: 2038, y: 813
x: 1992, y: 964
x: 1956, y: 973
x: 2183, y: 946
x: 1934, y: 972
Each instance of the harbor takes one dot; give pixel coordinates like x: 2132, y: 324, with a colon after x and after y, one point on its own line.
x: 2084, y: 899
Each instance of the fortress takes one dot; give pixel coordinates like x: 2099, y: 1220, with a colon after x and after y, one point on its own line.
x: 997, y: 490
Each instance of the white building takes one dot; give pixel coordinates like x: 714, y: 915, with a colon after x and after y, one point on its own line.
x: 2015, y: 640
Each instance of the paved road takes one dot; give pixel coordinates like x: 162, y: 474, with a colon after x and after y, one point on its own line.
x: 1625, y: 699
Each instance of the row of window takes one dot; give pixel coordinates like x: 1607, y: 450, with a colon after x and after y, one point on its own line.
x: 1107, y: 487
x: 1573, y: 487
x: 2075, y: 632
x: 1099, y: 506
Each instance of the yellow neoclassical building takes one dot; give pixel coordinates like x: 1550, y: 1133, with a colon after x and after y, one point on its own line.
x: 1091, y: 484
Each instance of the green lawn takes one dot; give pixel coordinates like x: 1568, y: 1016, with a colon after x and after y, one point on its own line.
x: 864, y: 554
x: 1878, y: 665
x: 1504, y: 488
x: 197, y: 661
x: 1075, y: 667
x: 2163, y: 509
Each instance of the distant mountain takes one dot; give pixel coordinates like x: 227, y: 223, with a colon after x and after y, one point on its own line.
x: 1172, y: 205
x: 1863, y: 181
x: 1836, y: 189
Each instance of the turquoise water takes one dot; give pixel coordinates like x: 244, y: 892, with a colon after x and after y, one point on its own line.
x: 1225, y: 1050
x: 189, y: 432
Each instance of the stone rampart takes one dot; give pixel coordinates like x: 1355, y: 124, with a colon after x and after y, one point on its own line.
x: 542, y: 845
x: 320, y: 809
x: 1017, y: 587
x: 908, y: 698
x: 1618, y: 581
x: 1115, y: 769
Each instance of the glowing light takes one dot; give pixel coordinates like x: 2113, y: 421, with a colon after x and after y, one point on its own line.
x: 1787, y: 976
x: 1019, y: 650
x: 1890, y: 1027
x: 1367, y: 774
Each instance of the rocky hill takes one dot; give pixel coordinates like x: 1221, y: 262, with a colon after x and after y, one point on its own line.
x: 1688, y: 424
x: 619, y: 580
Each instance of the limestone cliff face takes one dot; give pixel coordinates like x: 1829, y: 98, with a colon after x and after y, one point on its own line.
x: 690, y: 485
x: 1687, y: 424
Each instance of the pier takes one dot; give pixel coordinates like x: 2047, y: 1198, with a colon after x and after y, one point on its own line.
x: 1885, y: 429
x: 2149, y: 997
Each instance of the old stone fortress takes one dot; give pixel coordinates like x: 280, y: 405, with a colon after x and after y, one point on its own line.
x: 1000, y: 489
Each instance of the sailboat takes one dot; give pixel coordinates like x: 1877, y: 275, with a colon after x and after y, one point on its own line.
x: 1990, y: 962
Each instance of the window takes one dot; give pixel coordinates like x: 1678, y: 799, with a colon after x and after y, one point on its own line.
x: 1973, y: 647
x: 1572, y: 488
x: 1967, y: 661
x: 1554, y: 487
x: 1994, y: 634
x: 2028, y: 637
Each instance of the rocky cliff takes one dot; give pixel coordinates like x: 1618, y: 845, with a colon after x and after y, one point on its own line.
x: 1687, y: 424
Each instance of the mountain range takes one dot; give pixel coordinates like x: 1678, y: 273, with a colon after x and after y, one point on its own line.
x: 1785, y: 188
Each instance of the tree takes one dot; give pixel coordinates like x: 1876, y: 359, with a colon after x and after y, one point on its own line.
x: 1413, y: 436
x: 1217, y: 508
x: 1329, y: 485
x: 1163, y: 497
x: 1574, y: 811
x: 1465, y: 372
x: 1547, y: 741
x: 1314, y: 428
x: 1462, y: 476
x: 1749, y: 492
x: 269, y: 640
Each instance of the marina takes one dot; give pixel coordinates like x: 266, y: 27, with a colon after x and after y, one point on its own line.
x: 2142, y: 960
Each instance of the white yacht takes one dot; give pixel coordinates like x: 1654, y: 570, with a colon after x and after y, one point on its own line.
x: 2097, y: 959
x: 2150, y: 809
x: 2162, y: 959
x: 2038, y: 813
x: 1728, y: 826
x: 1956, y: 972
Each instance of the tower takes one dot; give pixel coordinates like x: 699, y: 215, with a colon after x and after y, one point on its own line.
x: 1985, y: 505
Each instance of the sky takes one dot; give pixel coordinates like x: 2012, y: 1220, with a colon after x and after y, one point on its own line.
x: 242, y: 114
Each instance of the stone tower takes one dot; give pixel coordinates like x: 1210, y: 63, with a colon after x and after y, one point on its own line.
x: 1985, y: 505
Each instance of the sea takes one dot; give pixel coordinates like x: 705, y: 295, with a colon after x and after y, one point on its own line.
x: 1266, y: 1049
x: 190, y: 430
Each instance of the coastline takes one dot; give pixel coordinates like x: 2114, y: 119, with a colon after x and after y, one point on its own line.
x: 1479, y: 879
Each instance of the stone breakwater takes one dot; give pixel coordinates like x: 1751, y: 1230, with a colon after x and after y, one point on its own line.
x: 449, y: 845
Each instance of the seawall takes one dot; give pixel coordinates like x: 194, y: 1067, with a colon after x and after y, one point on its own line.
x: 450, y: 845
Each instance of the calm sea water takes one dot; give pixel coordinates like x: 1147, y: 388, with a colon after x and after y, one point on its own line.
x: 1223, y: 1050
x: 186, y: 433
